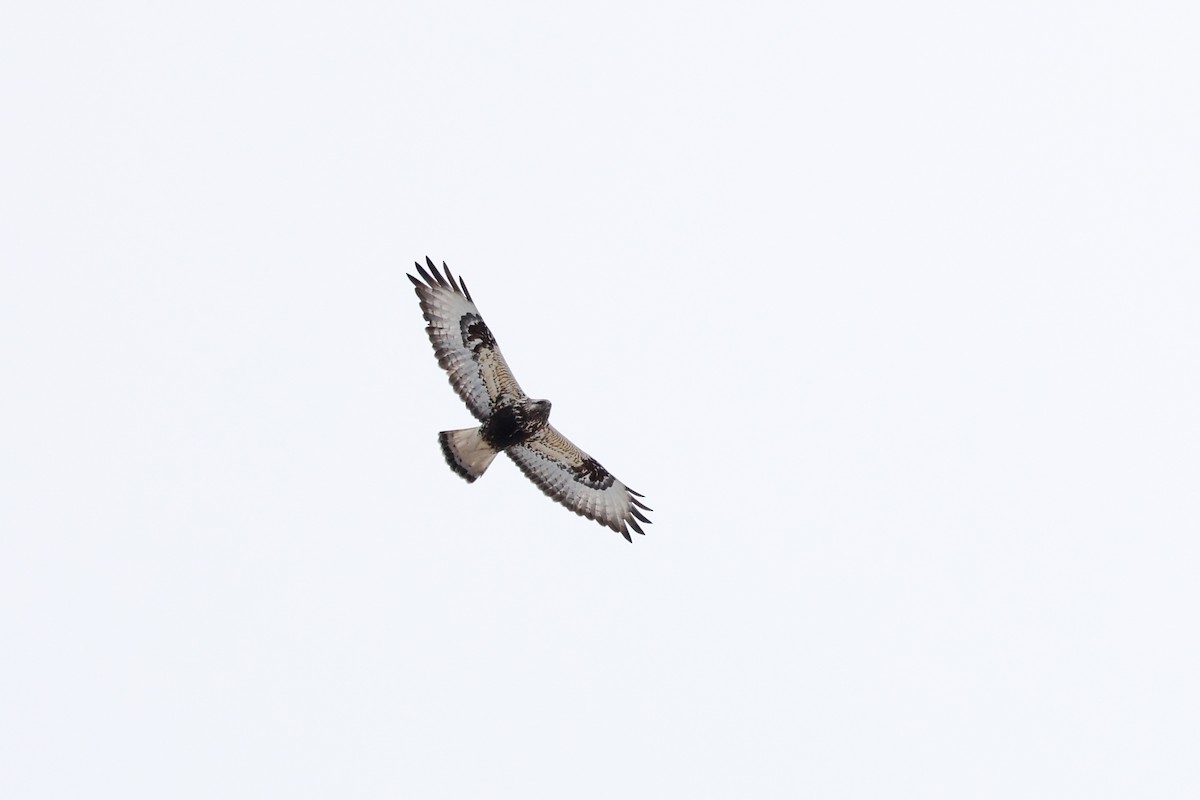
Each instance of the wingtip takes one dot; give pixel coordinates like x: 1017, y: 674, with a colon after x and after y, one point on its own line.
x: 441, y: 281
x: 433, y: 277
x: 428, y: 280
x: 453, y: 283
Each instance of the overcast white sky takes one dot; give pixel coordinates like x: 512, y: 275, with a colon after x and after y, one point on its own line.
x: 890, y: 310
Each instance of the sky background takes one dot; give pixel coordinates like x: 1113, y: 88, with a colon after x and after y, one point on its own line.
x: 890, y: 310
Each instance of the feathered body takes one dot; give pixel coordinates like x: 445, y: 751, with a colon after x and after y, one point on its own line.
x: 511, y: 422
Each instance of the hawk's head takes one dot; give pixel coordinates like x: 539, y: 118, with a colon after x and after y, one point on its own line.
x: 539, y: 410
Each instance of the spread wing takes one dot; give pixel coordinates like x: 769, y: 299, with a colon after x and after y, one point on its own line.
x: 575, y: 479
x: 464, y: 346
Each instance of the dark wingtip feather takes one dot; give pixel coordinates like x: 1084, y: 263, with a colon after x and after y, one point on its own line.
x: 639, y: 504
x: 625, y: 533
x: 639, y: 515
x: 437, y: 279
x: 632, y: 492
x: 451, y: 277
x: 416, y: 282
x: 635, y: 526
x: 441, y: 281
x: 433, y: 277
x: 425, y: 275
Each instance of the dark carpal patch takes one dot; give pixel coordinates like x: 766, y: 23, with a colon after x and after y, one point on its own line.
x: 592, y: 475
x: 475, y: 333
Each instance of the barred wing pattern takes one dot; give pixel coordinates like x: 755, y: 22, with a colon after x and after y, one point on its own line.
x: 575, y: 479
x: 464, y: 345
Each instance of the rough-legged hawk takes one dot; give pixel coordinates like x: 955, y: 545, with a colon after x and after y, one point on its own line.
x: 512, y: 422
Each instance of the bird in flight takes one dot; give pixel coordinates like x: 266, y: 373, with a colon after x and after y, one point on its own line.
x: 511, y: 421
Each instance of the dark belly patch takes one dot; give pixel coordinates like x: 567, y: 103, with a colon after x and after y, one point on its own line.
x: 506, y: 427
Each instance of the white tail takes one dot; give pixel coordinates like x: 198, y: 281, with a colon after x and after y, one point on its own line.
x: 466, y: 452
